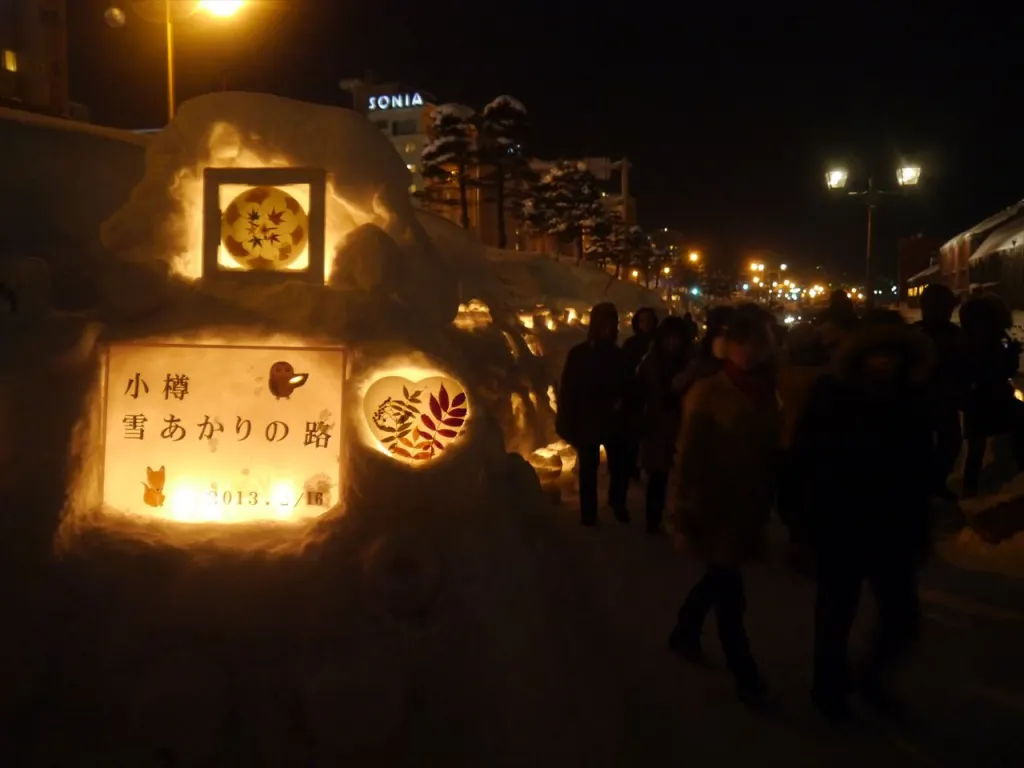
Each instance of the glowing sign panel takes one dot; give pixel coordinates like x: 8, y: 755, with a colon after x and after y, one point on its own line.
x: 201, y: 434
x: 396, y: 101
x: 264, y: 228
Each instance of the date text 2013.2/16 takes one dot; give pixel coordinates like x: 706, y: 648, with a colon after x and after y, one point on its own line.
x: 253, y: 499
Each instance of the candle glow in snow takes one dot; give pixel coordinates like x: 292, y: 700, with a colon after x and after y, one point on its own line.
x: 201, y: 433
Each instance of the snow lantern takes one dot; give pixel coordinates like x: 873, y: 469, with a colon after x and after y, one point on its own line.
x: 416, y: 421
x: 203, y: 433
x: 264, y: 224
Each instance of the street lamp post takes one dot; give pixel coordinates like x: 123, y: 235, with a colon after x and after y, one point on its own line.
x: 116, y: 18
x: 835, y: 179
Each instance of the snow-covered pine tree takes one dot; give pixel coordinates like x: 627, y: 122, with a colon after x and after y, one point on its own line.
x: 449, y: 154
x: 503, y: 132
x: 605, y: 242
x: 641, y: 252
x: 568, y: 193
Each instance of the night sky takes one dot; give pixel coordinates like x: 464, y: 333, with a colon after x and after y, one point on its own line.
x: 730, y: 120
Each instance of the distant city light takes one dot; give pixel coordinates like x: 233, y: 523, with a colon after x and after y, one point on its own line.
x: 784, y: 267
x: 694, y: 256
x: 746, y: 286
x: 695, y: 291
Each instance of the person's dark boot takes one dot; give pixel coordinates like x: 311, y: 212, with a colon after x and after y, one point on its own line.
x: 687, y: 646
x: 835, y: 709
x: 752, y: 693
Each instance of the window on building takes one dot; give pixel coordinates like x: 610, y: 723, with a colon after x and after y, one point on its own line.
x: 406, y: 127
x: 10, y: 61
x: 381, y: 125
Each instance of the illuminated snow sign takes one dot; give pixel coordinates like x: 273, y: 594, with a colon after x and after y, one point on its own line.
x: 396, y: 101
x: 222, y: 434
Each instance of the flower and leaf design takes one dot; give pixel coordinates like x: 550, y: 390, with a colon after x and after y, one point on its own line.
x: 421, y: 423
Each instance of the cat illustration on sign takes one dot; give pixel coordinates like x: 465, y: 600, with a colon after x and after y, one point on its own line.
x: 284, y: 380
x: 153, y: 496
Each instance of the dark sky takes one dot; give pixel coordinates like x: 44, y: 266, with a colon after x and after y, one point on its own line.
x: 729, y: 117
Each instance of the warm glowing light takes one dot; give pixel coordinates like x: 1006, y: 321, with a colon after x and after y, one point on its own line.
x: 189, y: 438
x: 571, y: 317
x: 636, y: 273
x: 510, y: 342
x: 264, y: 228
x: 757, y: 281
x: 473, y: 316
x: 694, y: 257
x: 836, y: 178
x: 1018, y: 395
x: 550, y: 324
x: 227, y: 147
x: 667, y: 271
x: 908, y: 175
x: 754, y: 266
x: 552, y: 399
x: 533, y: 344
x: 221, y: 8
x: 784, y: 282
x: 415, y: 419
x: 526, y: 320
x: 553, y: 461
x: 783, y: 267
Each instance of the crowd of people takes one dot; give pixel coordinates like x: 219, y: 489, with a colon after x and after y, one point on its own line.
x: 846, y: 427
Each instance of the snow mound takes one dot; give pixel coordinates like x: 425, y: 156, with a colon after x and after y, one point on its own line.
x: 971, y: 552
x: 394, y: 628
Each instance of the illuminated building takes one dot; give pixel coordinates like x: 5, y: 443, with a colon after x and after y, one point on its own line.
x: 401, y: 113
x: 33, y: 55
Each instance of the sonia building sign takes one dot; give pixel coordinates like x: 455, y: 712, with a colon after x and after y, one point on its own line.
x: 396, y: 101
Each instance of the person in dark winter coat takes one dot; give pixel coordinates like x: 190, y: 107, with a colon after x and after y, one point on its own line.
x: 805, y: 361
x: 645, y: 323
x: 597, y: 383
x: 948, y: 383
x: 838, y: 321
x: 864, y: 444
x: 726, y: 463
x: 710, y: 354
x: 661, y: 379
x: 992, y: 360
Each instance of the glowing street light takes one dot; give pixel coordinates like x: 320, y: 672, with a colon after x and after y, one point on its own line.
x: 908, y: 175
x: 836, y: 178
x: 636, y: 273
x: 115, y: 17
x: 694, y: 257
x: 667, y: 271
x: 783, y: 267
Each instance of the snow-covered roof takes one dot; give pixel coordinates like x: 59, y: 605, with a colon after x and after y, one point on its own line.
x: 73, y: 126
x: 1009, y: 235
x: 1017, y: 209
x: 928, y: 272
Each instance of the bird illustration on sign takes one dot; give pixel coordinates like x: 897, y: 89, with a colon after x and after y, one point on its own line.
x: 284, y: 380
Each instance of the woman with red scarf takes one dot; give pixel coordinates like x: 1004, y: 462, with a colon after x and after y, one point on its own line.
x: 726, y: 461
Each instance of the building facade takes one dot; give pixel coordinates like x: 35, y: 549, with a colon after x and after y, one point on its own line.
x: 33, y: 56
x: 915, y: 254
x: 402, y: 114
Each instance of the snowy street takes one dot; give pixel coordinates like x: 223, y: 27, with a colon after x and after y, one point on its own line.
x: 965, y: 685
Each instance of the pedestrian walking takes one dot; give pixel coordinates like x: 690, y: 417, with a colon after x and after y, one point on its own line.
x: 838, y: 320
x: 710, y: 354
x: 864, y: 448
x: 948, y: 383
x: 636, y: 347
x: 805, y: 360
x: 661, y: 378
x: 992, y: 360
x: 726, y: 461
x: 595, y: 387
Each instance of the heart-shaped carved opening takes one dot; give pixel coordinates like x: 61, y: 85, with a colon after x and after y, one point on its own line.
x: 416, y: 422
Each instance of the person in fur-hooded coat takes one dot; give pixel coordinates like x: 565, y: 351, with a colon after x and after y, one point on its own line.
x: 864, y: 448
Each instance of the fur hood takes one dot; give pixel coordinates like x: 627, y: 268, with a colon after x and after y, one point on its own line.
x: 909, y: 342
x: 636, y: 317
